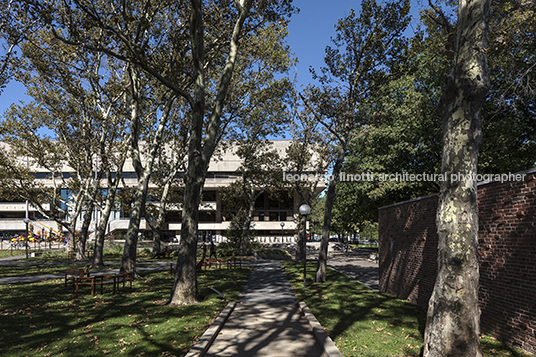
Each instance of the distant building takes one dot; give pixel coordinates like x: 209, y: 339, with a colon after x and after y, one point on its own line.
x: 274, y: 219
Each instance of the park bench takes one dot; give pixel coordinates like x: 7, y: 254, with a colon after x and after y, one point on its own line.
x: 162, y: 254
x: 75, y: 273
x: 218, y: 262
x: 233, y: 262
x: 101, y: 280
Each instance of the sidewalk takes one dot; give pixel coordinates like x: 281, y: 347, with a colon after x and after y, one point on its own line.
x: 266, y: 320
x: 355, y: 266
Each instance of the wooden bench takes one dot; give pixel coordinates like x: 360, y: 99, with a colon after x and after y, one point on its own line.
x: 229, y: 263
x: 123, y: 278
x: 101, y: 280
x: 209, y: 261
x: 233, y: 262
x: 166, y: 253
x: 76, y: 273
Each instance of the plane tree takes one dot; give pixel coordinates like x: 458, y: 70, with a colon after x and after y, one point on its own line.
x: 65, y: 87
x: 257, y: 109
x: 308, y: 155
x: 191, y: 48
x: 453, y: 317
x: 366, y: 52
x: 404, y: 133
x: 13, y: 30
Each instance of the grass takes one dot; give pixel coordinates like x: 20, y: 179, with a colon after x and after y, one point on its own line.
x: 362, y: 322
x: 45, y: 319
x: 35, y: 269
x: 365, y: 246
x: 4, y: 253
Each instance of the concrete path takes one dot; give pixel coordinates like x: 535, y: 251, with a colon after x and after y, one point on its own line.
x: 355, y: 265
x: 266, y: 320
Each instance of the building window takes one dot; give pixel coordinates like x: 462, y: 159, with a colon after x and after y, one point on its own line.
x: 209, y: 196
x: 207, y: 216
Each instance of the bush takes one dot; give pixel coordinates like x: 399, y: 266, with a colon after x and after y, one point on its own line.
x: 273, y: 251
x: 146, y: 252
x: 225, y: 249
x: 113, y: 249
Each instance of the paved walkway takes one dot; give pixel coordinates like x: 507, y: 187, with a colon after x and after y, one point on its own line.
x: 355, y: 265
x: 266, y: 320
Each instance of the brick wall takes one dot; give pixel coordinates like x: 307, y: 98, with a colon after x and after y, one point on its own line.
x: 507, y: 250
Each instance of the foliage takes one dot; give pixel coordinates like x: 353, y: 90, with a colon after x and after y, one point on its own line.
x: 404, y: 132
x: 235, y: 232
x: 282, y: 252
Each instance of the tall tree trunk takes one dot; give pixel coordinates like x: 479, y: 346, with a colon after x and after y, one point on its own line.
x: 320, y: 276
x: 128, y: 261
x: 244, y: 244
x: 185, y: 286
x: 200, y: 150
x: 71, y: 237
x: 100, y: 234
x: 453, y: 318
x: 156, y: 227
x: 81, y: 244
x: 98, y: 250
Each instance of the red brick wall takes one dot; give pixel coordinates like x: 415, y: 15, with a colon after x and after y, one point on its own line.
x: 507, y: 248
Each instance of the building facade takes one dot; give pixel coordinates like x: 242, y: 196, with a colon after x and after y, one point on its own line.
x: 274, y: 219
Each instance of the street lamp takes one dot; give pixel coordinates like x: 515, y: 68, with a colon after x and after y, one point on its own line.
x: 305, y: 210
x: 282, y: 227
x: 26, y: 221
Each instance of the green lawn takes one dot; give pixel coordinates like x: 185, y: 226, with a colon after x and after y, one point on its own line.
x: 35, y: 269
x: 44, y: 319
x: 10, y: 253
x: 362, y: 322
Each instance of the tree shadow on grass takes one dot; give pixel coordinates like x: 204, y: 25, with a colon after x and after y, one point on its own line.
x: 45, y: 317
x: 355, y: 315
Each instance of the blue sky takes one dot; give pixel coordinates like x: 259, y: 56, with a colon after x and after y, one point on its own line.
x: 310, y: 30
x: 309, y: 34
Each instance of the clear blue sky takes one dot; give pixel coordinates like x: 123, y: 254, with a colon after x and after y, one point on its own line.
x: 310, y: 30
x: 309, y: 34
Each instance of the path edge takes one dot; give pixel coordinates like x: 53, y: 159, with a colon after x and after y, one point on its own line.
x: 318, y: 331
x: 203, y: 344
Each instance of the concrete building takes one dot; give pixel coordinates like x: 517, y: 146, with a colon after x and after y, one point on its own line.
x: 275, y: 220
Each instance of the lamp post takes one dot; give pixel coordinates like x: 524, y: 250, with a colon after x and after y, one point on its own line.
x: 26, y: 221
x: 305, y: 209
x: 282, y: 227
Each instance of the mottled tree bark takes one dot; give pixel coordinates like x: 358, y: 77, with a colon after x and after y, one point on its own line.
x: 201, y: 148
x: 100, y: 233
x: 320, y: 276
x: 246, y: 228
x: 128, y: 261
x: 81, y: 244
x: 453, y: 319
